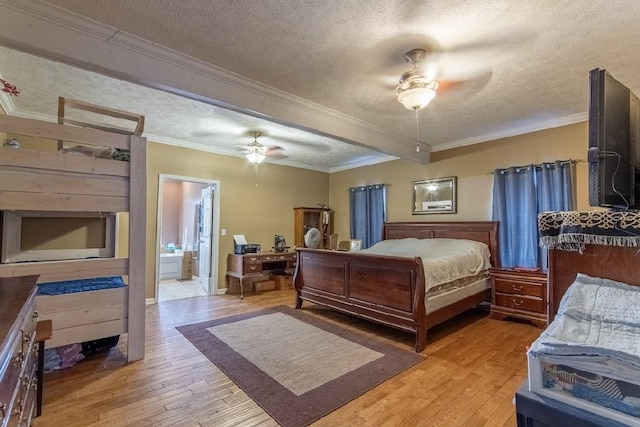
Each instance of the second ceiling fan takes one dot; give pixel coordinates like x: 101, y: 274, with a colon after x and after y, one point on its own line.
x: 256, y: 152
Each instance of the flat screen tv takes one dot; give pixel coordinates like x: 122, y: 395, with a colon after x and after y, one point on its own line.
x: 614, y: 143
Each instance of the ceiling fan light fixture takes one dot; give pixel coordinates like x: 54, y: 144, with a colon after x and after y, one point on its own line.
x: 416, y: 98
x: 255, y: 157
x: 415, y: 90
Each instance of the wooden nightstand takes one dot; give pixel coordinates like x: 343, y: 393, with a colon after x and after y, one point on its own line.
x: 519, y: 294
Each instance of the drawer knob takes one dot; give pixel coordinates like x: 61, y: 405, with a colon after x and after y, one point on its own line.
x: 517, y: 288
x: 517, y: 303
x: 27, y: 337
x: 3, y: 409
x: 18, y: 407
x: 19, y: 358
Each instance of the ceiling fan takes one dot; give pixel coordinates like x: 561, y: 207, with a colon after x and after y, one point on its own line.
x: 256, y: 152
x: 459, y: 70
x: 415, y: 89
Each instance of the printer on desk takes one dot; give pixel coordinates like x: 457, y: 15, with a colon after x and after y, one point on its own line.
x: 240, y: 245
x: 246, y: 248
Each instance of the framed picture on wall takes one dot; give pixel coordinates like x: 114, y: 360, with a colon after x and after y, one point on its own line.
x: 434, y: 196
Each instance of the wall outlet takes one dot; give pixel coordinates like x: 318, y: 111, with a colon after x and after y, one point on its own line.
x: 223, y: 231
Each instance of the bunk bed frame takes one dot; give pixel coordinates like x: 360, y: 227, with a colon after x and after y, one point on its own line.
x: 58, y: 184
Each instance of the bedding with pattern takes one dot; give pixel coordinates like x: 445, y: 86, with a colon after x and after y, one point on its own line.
x: 444, y: 260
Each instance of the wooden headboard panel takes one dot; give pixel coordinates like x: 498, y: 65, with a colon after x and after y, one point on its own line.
x: 608, y: 262
x: 480, y: 231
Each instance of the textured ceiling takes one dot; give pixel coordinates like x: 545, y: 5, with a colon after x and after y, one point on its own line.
x: 507, y: 67
x: 169, y: 118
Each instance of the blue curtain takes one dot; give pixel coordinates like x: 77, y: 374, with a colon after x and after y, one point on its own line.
x: 519, y: 194
x: 367, y: 213
x: 554, y: 187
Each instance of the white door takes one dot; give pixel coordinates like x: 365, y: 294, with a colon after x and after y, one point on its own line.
x: 204, y: 248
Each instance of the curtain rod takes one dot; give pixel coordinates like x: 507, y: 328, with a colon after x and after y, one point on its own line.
x: 540, y: 165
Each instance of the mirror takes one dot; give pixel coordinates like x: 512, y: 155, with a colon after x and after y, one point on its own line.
x: 434, y: 196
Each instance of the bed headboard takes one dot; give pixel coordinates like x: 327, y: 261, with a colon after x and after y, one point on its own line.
x: 480, y: 231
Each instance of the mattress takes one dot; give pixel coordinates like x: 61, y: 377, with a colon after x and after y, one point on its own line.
x: 80, y: 285
x: 442, y: 299
x: 444, y: 260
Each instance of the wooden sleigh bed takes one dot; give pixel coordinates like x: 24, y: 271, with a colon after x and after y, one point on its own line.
x: 389, y: 290
x: 52, y: 183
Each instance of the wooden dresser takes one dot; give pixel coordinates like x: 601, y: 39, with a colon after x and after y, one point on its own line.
x: 18, y: 353
x: 519, y: 294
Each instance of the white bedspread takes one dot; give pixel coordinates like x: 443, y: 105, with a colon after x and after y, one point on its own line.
x: 597, y: 329
x: 444, y: 260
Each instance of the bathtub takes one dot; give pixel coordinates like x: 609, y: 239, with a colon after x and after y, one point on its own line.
x: 170, y: 266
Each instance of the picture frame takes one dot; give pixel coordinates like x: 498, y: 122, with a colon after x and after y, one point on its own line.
x: 355, y: 245
x: 434, y: 196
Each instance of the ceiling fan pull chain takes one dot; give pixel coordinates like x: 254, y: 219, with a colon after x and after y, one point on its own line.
x: 417, y: 130
x: 256, y: 165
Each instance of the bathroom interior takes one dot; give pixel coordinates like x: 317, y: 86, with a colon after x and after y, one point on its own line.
x: 179, y: 263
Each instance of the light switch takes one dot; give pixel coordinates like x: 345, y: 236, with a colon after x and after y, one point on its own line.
x: 223, y: 231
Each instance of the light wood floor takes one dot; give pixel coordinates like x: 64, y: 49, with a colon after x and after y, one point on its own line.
x: 474, y: 365
x: 175, y: 289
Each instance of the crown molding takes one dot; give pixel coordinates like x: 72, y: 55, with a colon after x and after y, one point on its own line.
x: 6, y: 102
x: 82, y: 42
x: 534, y: 127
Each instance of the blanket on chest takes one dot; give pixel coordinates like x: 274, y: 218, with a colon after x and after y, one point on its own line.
x: 596, y: 329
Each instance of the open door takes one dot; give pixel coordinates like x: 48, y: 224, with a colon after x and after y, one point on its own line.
x: 204, y: 247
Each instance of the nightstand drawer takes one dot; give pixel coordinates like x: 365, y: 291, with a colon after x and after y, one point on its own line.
x: 520, y: 302
x: 519, y: 287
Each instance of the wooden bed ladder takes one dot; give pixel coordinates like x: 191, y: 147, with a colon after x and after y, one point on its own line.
x: 64, y: 104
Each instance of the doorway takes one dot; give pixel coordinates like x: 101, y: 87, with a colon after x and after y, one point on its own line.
x: 187, y: 237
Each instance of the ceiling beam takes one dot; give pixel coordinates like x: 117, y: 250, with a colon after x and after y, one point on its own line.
x: 45, y: 30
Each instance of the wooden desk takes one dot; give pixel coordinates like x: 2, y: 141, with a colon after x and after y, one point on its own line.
x: 243, y: 266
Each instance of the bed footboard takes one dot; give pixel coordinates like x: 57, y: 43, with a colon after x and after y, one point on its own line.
x: 387, y: 290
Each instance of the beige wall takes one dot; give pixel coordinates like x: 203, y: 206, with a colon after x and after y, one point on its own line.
x: 259, y: 212
x: 472, y: 165
x: 62, y: 233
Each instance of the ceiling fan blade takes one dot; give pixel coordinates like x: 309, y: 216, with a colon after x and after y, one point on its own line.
x: 276, y: 156
x: 272, y: 149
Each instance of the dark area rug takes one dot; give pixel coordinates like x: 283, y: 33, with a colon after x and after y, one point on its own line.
x: 297, y: 367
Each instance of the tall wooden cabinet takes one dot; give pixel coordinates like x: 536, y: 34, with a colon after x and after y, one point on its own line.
x: 307, y: 218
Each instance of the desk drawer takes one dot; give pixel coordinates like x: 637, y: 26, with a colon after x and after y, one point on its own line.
x: 251, y: 268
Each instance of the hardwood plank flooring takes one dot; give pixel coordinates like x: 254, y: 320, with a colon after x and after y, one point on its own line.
x: 474, y: 366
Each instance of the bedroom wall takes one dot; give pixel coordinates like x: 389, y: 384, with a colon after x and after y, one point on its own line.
x: 472, y: 165
x: 259, y: 212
